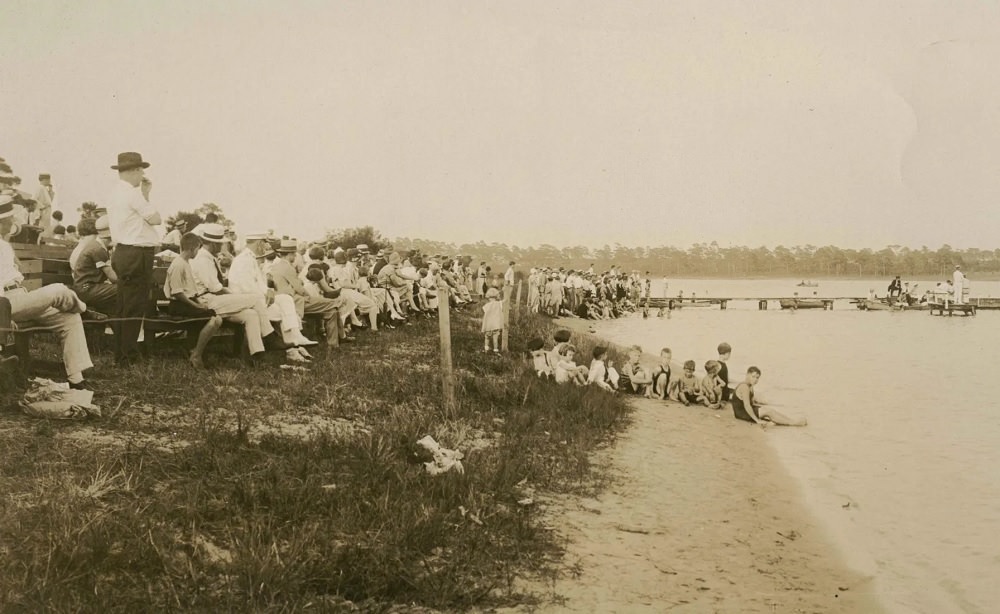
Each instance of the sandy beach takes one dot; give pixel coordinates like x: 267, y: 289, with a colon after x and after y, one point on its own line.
x: 700, y: 517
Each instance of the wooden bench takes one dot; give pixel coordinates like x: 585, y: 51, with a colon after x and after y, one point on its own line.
x: 47, y: 264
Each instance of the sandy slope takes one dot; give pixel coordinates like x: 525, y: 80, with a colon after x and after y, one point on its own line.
x: 701, y: 518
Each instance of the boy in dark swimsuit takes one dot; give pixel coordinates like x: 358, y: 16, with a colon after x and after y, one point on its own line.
x: 745, y: 408
x: 725, y: 352
x: 661, y: 376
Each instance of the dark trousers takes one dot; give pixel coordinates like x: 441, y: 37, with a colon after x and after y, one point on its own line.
x: 4, y: 320
x: 134, y: 267
x: 102, y: 298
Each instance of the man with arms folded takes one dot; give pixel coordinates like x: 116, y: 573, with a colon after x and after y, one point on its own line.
x: 286, y: 281
x: 248, y: 310
x: 54, y: 306
x: 247, y: 277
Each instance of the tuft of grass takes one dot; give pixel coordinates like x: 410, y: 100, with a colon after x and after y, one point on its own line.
x: 180, y: 500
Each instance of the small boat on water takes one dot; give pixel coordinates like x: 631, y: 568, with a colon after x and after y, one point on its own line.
x: 808, y: 284
x: 805, y: 303
x: 883, y: 305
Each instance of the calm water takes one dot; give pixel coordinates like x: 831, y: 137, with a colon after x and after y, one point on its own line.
x: 904, y: 425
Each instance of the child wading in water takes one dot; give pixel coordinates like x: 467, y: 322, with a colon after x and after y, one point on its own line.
x: 492, y: 320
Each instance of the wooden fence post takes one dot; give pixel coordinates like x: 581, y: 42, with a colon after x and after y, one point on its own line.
x: 517, y: 300
x: 447, y: 374
x: 506, y: 317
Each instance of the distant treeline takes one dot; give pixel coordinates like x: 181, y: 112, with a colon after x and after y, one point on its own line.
x: 708, y: 259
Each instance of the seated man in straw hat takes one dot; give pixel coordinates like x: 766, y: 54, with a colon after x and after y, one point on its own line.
x: 94, y: 281
x: 246, y: 309
x: 247, y: 277
x: 286, y: 281
x: 173, y: 238
x: 54, y: 307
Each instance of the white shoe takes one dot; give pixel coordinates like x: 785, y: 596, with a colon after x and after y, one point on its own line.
x: 303, y: 341
x: 303, y: 353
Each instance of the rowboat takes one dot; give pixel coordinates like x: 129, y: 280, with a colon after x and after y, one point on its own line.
x: 882, y: 305
x: 679, y: 304
x: 804, y: 303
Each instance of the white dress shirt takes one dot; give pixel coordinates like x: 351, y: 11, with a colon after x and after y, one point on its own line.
x: 246, y: 276
x: 128, y: 216
x: 9, y: 273
x: 206, y: 272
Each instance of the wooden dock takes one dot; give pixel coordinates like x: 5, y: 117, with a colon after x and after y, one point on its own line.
x: 949, y: 308
x: 786, y: 302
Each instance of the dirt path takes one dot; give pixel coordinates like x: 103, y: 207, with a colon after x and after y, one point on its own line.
x: 702, y: 518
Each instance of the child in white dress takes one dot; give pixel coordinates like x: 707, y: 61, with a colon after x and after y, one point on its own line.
x: 492, y: 320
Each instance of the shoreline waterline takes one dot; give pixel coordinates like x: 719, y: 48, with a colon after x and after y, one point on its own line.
x: 730, y: 510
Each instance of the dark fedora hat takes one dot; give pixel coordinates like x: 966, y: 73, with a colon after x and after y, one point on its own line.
x: 128, y: 160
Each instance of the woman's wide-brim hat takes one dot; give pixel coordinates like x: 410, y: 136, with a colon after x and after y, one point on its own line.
x: 128, y: 160
x: 287, y: 246
x: 213, y: 233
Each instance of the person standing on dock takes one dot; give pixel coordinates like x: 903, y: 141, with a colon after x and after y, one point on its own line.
x: 958, y: 279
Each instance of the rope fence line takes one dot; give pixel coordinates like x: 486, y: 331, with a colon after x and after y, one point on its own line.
x: 107, y: 320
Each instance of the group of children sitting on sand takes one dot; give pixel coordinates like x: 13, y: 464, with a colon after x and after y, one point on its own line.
x: 711, y: 390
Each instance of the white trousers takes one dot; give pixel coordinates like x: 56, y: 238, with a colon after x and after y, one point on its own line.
x: 57, y: 308
x: 249, y: 310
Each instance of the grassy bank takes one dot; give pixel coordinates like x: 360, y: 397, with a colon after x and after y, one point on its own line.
x: 267, y: 490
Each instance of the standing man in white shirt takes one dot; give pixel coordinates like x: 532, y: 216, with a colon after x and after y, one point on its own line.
x: 54, y: 306
x: 44, y: 197
x: 958, y: 278
x: 508, y: 276
x: 133, y: 221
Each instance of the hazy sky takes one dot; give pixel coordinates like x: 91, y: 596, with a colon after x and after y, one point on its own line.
x: 856, y: 123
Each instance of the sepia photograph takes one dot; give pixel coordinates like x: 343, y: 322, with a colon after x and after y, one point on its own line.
x: 502, y: 307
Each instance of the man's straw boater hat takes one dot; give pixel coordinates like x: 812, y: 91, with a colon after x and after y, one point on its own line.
x: 44, y: 176
x: 287, y: 246
x: 213, y: 233
x: 128, y: 160
x: 103, y: 226
x: 363, y: 248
